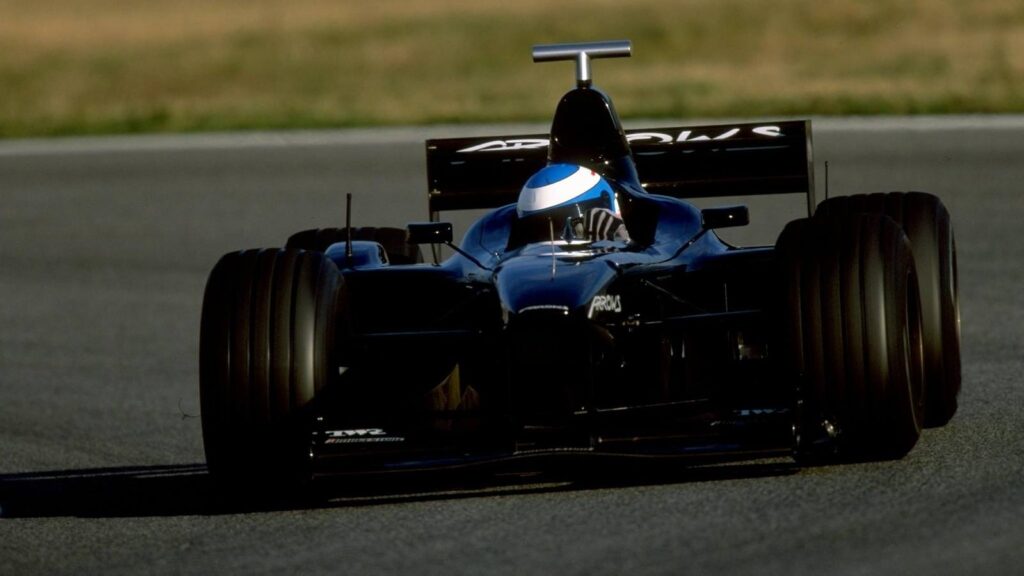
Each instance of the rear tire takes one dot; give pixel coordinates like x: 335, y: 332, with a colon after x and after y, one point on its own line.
x: 927, y: 224
x: 853, y: 336
x: 394, y: 241
x: 266, y: 349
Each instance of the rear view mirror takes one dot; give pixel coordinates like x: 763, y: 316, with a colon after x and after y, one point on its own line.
x: 724, y: 217
x: 430, y: 233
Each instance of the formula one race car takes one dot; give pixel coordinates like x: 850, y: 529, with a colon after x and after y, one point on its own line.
x: 590, y: 313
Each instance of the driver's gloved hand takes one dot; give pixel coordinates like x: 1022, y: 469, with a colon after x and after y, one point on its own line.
x: 603, y: 224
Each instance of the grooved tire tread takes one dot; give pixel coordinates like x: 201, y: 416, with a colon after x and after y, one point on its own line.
x: 266, y: 348
x: 927, y: 224
x: 852, y: 333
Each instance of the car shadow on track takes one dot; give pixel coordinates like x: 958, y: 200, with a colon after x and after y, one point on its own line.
x: 188, y: 490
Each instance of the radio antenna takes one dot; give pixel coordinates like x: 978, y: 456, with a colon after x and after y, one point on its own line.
x: 348, y: 226
x: 826, y: 179
x: 551, y: 226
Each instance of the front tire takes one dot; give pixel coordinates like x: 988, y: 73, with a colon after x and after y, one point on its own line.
x: 266, y: 349
x: 853, y: 336
x: 927, y: 224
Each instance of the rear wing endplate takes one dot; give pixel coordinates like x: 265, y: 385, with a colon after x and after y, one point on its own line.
x: 686, y: 162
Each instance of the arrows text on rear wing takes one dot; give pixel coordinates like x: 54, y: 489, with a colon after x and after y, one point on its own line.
x: 645, y: 137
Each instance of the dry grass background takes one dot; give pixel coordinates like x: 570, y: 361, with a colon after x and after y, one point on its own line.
x: 87, y: 66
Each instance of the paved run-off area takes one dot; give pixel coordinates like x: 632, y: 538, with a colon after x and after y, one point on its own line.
x: 104, y: 250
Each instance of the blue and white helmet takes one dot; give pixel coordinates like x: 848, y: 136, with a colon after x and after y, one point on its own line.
x: 566, y: 190
x: 568, y: 201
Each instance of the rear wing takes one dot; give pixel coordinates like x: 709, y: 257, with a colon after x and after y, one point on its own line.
x: 687, y: 162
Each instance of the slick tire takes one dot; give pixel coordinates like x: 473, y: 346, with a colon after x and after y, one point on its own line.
x: 927, y: 224
x: 394, y: 241
x: 266, y: 349
x: 852, y: 323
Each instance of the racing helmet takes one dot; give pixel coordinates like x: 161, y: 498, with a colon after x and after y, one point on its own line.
x: 557, y: 202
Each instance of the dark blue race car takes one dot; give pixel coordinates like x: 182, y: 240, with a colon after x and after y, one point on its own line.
x: 591, y: 312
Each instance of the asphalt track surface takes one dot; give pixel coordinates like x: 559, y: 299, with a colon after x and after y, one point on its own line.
x: 105, y: 245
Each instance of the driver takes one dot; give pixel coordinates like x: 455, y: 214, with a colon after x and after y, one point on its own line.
x: 571, y: 203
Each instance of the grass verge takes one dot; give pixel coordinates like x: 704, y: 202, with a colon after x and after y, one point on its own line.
x: 107, y: 66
